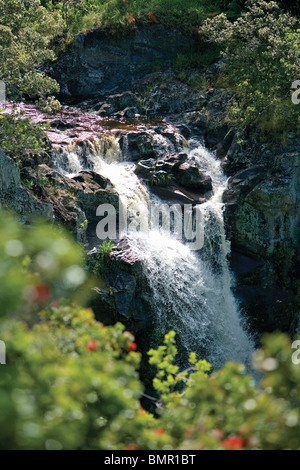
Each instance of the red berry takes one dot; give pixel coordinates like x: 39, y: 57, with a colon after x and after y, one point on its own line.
x: 132, y: 347
x: 41, y: 293
x: 234, y: 443
x: 92, y: 346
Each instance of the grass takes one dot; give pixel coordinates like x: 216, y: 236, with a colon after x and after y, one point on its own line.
x: 119, y: 16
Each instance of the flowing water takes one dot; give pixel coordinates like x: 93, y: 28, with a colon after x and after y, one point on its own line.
x: 190, y: 290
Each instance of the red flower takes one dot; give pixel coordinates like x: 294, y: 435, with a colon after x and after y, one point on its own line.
x: 234, y: 443
x: 131, y: 447
x: 132, y: 347
x: 41, y: 293
x: 160, y: 432
x: 92, y: 346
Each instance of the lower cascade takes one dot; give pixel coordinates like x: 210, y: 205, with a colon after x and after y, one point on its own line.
x: 190, y: 290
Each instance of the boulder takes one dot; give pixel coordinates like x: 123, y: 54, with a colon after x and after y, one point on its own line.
x: 136, y: 145
x: 189, y: 176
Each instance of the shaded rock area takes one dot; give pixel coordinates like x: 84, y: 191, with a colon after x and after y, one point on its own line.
x: 189, y: 176
x: 74, y: 200
x: 97, y: 64
x: 126, y: 295
x: 14, y: 196
x: 175, y: 179
x: 263, y: 220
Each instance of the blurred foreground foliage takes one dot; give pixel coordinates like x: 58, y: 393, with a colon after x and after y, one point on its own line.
x: 72, y: 383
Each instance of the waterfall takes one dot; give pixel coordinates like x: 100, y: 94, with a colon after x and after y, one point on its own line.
x: 190, y: 291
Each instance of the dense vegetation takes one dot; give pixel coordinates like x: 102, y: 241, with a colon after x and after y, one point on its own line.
x: 72, y: 383
x: 263, y: 52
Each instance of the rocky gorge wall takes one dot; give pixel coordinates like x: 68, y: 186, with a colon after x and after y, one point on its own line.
x: 98, y: 64
x: 116, y: 81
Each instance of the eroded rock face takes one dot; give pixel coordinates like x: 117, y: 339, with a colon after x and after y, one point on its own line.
x: 14, y: 196
x: 126, y: 296
x: 98, y: 64
x: 263, y: 217
x: 75, y: 200
x: 9, y: 173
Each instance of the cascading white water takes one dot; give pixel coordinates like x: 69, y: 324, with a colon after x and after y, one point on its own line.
x: 190, y: 291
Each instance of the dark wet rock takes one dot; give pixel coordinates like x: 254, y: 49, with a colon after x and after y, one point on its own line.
x: 61, y: 125
x: 120, y: 105
x: 176, y: 194
x: 146, y: 168
x: 90, y: 177
x: 129, y: 112
x: 105, y: 110
x: 262, y: 214
x: 123, y: 101
x: 145, y: 145
x: 126, y: 296
x: 137, y: 145
x: 243, y: 182
x: 151, y: 168
x: 268, y: 309
x: 184, y: 130
x: 170, y: 97
x: 189, y: 176
x: 175, y: 160
x: 162, y: 176
x: 96, y: 63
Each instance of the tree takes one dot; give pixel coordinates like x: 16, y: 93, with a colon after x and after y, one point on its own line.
x: 262, y: 48
x: 26, y: 29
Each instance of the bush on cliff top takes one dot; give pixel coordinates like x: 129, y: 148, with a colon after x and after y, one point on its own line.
x: 26, y: 29
x: 263, y: 52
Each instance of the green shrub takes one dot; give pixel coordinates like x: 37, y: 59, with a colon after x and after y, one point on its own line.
x: 98, y: 264
x: 18, y: 135
x: 119, y: 16
x: 226, y: 409
x: 70, y: 383
x: 48, y: 105
x: 37, y: 266
x: 26, y: 31
x: 262, y: 48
